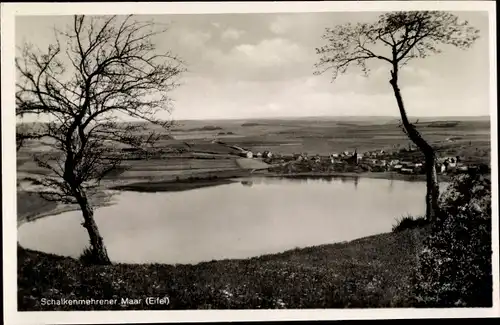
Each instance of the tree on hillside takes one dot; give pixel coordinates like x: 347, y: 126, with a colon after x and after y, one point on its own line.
x: 95, y: 71
x: 395, y: 39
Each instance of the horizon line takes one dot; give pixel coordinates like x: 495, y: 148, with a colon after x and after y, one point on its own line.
x: 306, y: 117
x: 330, y: 116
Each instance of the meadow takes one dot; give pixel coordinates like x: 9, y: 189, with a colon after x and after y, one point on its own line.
x: 324, y: 136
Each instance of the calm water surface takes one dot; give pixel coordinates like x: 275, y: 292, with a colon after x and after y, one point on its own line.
x: 239, y: 220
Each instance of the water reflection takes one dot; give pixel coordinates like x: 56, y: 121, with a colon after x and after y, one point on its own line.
x: 251, y: 217
x: 302, y: 179
x: 247, y: 183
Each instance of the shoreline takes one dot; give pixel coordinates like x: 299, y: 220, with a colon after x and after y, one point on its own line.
x: 201, y: 180
x: 207, y: 180
x: 379, y: 175
x: 375, y: 262
x: 172, y: 186
x: 107, y: 192
x: 101, y: 201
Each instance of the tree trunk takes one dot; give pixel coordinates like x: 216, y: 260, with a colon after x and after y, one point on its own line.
x: 100, y: 254
x: 432, y: 195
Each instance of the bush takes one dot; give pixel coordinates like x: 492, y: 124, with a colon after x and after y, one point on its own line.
x: 88, y: 256
x: 454, y: 268
x: 409, y: 222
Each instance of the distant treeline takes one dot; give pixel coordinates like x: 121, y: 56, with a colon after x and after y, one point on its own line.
x: 204, y: 128
x: 443, y: 124
x: 250, y: 124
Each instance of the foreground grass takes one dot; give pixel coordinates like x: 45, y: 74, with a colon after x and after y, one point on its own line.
x: 368, y: 272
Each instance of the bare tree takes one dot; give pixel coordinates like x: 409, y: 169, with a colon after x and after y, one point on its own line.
x: 395, y: 39
x: 106, y: 67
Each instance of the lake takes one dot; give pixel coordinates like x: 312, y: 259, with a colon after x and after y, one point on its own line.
x: 247, y: 218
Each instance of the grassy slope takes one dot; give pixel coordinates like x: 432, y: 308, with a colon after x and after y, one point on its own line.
x: 369, y: 272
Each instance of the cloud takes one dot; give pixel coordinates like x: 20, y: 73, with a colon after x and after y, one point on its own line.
x: 377, y: 80
x: 193, y: 38
x: 304, y: 96
x: 266, y: 60
x: 280, y: 25
x: 232, y: 34
x: 270, y: 52
x: 310, y: 96
x: 415, y: 75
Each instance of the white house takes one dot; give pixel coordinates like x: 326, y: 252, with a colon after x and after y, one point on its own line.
x: 394, y: 162
x: 408, y: 164
x: 246, y: 154
x: 452, y: 165
x: 267, y: 154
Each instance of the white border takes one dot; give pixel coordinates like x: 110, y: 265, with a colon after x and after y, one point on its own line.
x: 8, y: 13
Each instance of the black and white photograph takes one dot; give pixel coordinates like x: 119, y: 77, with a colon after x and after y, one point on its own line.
x: 278, y: 158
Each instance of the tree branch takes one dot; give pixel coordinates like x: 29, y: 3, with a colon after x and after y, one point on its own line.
x: 111, y: 66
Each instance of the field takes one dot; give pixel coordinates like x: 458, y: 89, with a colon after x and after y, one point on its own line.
x: 370, y: 272
x: 324, y: 136
x: 195, y: 153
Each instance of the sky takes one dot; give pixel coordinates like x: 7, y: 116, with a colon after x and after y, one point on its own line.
x: 261, y: 65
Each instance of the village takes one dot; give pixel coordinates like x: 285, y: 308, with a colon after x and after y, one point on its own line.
x: 407, y: 161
